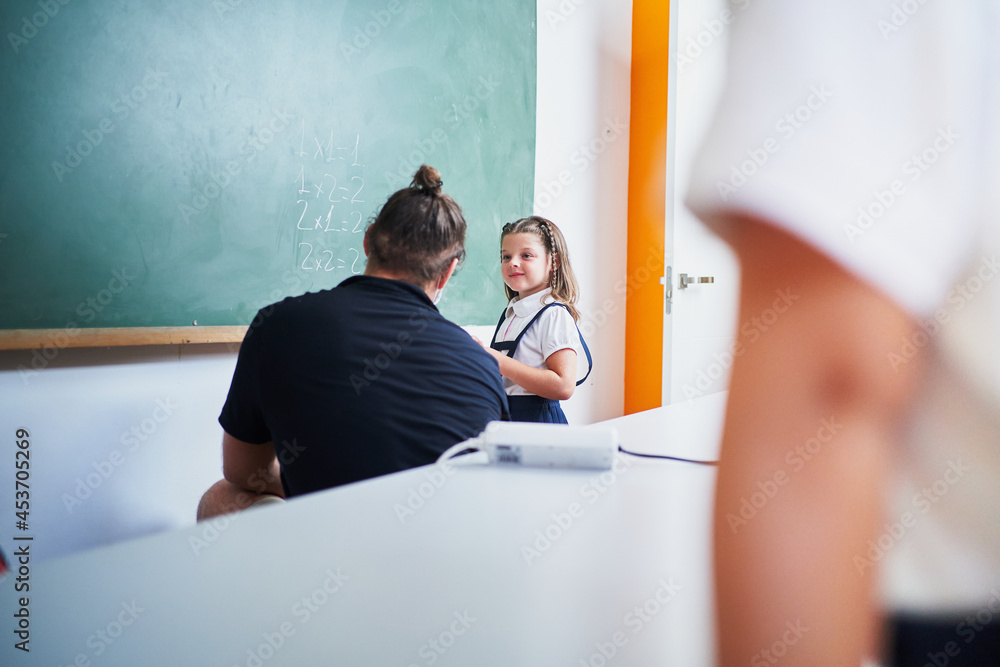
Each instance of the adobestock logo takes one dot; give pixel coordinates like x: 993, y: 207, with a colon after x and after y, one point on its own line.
x: 712, y: 29
x: 787, y: 126
x: 562, y: 522
x: 750, y: 332
x: 924, y: 502
x: 635, y: 620
x: 121, y: 107
x: 103, y: 638
x: 303, y: 610
x: 957, y: 299
x: 88, y: 309
x: 391, y: 350
x: 38, y: 20
x: 914, y: 168
x: 361, y: 40
x: 433, y: 649
x: 585, y: 155
x: 418, y: 495
x: 220, y: 179
x: 563, y: 12
x: 133, y: 439
x: 425, y: 147
x: 779, y: 648
x: 796, y: 458
x: 899, y: 17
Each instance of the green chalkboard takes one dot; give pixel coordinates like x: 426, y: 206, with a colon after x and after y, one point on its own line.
x: 169, y: 162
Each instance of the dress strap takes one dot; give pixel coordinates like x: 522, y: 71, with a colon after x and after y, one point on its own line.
x: 510, y: 346
x: 507, y: 347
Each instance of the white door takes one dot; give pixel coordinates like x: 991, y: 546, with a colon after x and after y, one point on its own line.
x: 699, y: 330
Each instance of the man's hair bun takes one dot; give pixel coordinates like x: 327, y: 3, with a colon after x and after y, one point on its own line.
x: 419, y: 231
x: 427, y: 180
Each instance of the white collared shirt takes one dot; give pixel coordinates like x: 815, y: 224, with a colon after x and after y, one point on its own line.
x: 555, y: 330
x: 891, y: 176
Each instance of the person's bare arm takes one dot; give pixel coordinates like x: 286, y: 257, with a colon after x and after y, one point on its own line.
x: 812, y: 414
x: 251, y: 467
x: 557, y: 382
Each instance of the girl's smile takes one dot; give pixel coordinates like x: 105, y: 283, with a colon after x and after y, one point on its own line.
x: 524, y: 264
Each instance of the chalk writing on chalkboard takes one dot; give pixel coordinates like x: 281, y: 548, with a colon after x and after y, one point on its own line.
x: 328, y: 191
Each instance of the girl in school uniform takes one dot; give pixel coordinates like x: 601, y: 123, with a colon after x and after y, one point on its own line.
x: 537, y: 342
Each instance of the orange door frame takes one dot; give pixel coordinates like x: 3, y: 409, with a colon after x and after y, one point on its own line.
x: 646, y: 205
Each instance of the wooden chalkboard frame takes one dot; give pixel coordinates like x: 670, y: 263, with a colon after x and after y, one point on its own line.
x: 26, y: 339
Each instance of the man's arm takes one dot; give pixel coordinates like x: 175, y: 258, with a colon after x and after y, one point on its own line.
x: 250, y: 472
x: 251, y: 467
x: 812, y: 415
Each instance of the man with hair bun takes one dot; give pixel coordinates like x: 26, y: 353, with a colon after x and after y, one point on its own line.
x: 364, y: 379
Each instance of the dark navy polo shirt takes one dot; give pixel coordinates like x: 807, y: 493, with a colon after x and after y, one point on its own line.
x: 364, y: 379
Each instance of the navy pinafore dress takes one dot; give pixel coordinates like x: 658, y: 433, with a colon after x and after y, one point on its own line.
x: 536, y: 408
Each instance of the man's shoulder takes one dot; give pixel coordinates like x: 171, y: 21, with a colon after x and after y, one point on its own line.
x: 292, y: 312
x: 449, y: 334
x: 464, y: 351
x: 347, y: 291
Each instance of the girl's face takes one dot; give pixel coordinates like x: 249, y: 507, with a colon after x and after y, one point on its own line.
x: 524, y: 263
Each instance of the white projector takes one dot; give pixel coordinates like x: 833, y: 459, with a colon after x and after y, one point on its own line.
x: 548, y: 445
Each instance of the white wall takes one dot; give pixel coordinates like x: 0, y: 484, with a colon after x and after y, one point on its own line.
x: 584, y: 58
x: 80, y: 408
x: 701, y: 330
x: 84, y: 405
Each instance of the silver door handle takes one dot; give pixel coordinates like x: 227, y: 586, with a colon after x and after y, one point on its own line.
x: 668, y: 283
x: 686, y: 280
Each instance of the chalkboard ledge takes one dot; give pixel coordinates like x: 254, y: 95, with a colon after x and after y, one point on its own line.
x: 26, y: 339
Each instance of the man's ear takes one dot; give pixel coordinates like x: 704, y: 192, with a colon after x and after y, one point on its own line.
x: 447, y: 274
x: 364, y: 242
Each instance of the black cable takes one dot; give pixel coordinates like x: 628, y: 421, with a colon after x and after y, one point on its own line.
x: 669, y: 458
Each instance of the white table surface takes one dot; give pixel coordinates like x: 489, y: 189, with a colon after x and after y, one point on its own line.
x: 213, y: 593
